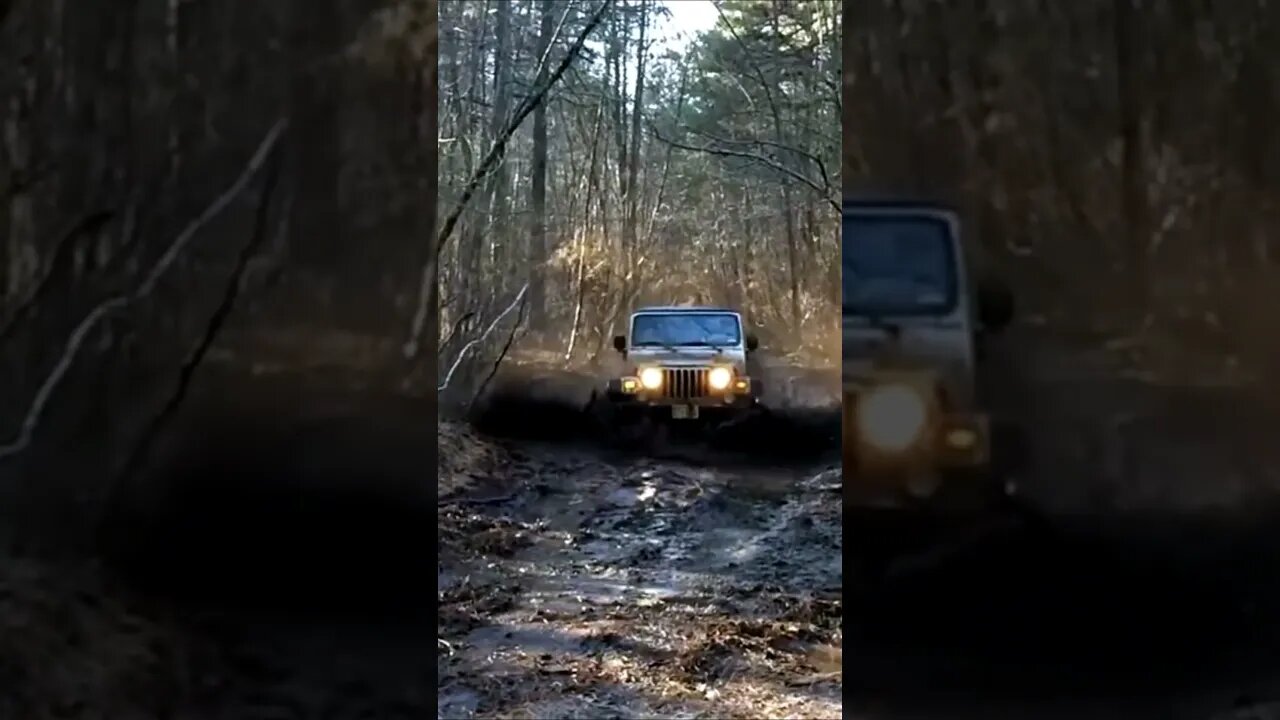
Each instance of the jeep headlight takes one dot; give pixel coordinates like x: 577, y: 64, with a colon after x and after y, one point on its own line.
x: 651, y: 378
x: 719, y: 378
x: 891, y: 417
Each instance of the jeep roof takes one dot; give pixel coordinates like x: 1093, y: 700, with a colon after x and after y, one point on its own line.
x: 685, y: 308
x: 872, y: 202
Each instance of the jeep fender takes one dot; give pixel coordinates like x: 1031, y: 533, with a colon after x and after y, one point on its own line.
x: 613, y: 391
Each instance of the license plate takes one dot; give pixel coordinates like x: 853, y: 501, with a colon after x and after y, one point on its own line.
x: 684, y: 412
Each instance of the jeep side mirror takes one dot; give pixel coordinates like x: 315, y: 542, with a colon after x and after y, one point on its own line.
x: 995, y: 305
x: 753, y: 342
x: 620, y: 343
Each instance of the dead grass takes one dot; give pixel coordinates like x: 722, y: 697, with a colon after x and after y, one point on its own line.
x: 778, y: 656
x: 475, y: 468
x: 668, y: 664
x: 465, y: 459
x: 70, y: 649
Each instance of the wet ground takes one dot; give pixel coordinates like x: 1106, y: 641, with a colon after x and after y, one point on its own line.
x: 286, y: 550
x: 585, y: 582
x: 644, y: 588
x: 1137, y: 578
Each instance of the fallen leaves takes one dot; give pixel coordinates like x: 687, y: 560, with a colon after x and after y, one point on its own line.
x: 646, y: 589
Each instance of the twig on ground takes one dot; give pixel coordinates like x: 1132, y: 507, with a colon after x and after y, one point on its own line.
x: 462, y: 354
x: 497, y: 500
x: 107, y: 307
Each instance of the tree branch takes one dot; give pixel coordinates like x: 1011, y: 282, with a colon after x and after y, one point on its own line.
x: 231, y: 292
x: 766, y: 161
x: 546, y: 56
x: 506, y: 348
x: 495, y: 154
x: 111, y: 305
x: 817, y: 161
x: 462, y: 354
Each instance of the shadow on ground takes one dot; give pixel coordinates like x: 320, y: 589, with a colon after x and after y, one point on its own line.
x: 1143, y: 615
x: 1143, y: 587
x: 268, y: 495
x: 559, y: 408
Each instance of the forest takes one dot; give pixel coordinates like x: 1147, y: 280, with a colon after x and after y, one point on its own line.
x: 644, y: 174
x: 1118, y: 160
x: 184, y: 182
x: 198, y: 200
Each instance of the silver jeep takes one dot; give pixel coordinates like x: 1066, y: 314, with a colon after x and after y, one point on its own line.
x: 683, y: 364
x: 916, y: 433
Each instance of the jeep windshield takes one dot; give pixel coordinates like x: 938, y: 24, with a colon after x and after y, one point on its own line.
x: 897, y: 265
x: 685, y: 330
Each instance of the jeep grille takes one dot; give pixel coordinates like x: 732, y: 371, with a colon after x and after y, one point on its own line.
x: 685, y: 383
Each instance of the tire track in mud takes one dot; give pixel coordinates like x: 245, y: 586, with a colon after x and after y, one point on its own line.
x: 628, y: 586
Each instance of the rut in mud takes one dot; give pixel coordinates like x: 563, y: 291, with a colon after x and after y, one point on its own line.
x: 576, y: 581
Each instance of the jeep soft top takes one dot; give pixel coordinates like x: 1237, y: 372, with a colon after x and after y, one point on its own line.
x: 684, y: 308
x: 891, y: 202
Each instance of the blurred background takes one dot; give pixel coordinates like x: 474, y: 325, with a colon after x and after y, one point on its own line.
x: 1119, y: 160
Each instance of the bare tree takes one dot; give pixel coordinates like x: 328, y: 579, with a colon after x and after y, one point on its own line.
x: 651, y: 181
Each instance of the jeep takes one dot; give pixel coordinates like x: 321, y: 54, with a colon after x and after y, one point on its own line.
x: 685, y: 364
x: 916, y: 434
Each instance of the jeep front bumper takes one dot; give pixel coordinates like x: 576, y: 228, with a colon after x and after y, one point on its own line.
x: 684, y: 387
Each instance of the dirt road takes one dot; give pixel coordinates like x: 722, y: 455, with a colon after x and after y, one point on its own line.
x: 286, y: 574
x: 576, y: 582
x: 1135, y: 584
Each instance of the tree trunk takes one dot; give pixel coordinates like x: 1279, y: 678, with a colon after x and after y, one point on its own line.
x: 633, y: 166
x: 1133, y: 191
x: 499, y: 198
x: 538, y: 193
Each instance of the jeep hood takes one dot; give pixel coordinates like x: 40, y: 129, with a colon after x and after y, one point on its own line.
x: 684, y: 356
x: 928, y: 344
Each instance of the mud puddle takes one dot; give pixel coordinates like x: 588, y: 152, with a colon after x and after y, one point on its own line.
x: 644, y: 588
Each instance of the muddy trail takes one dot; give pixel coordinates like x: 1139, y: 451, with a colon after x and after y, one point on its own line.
x: 580, y: 580
x: 280, y: 547
x: 1135, y: 577
x: 275, y: 554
